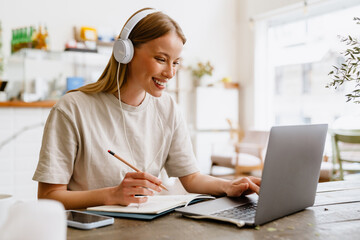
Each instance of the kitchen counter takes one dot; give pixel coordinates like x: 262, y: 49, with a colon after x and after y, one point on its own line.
x: 21, y: 104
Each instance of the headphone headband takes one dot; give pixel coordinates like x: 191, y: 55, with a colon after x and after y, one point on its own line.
x: 133, y: 21
x: 123, y: 47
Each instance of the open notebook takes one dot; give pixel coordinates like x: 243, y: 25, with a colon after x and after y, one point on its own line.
x: 155, y: 205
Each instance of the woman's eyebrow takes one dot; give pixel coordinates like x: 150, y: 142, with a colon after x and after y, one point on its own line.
x: 167, y: 55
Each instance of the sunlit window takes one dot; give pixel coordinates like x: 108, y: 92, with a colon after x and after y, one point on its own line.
x: 298, y: 57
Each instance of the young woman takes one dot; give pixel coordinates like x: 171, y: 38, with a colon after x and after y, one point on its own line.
x: 128, y: 112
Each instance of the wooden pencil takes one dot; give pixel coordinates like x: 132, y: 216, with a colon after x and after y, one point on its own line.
x: 131, y: 166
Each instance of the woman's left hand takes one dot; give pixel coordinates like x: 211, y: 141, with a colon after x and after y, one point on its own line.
x: 243, y: 186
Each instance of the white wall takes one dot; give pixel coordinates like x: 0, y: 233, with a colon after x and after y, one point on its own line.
x: 20, y: 140
x: 209, y: 26
x: 259, y: 7
x: 248, y: 10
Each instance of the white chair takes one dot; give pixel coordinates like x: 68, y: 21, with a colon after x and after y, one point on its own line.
x: 244, y: 156
x: 251, y: 151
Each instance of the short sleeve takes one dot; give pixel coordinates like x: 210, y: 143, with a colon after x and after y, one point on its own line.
x: 181, y: 160
x: 58, y: 150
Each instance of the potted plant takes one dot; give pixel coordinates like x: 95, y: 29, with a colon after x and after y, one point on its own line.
x: 201, y: 70
x: 349, y: 70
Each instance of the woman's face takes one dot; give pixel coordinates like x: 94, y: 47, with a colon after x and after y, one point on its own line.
x: 154, y: 64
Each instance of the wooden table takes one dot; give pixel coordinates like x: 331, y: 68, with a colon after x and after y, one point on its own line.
x: 335, y: 215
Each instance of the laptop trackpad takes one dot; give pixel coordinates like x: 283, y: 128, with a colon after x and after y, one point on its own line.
x: 209, y: 207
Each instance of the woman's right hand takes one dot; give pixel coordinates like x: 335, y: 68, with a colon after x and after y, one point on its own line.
x: 134, y: 183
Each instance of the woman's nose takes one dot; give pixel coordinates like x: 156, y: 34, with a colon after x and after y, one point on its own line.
x: 169, y: 72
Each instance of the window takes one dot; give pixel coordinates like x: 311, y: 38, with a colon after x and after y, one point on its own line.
x: 298, y: 55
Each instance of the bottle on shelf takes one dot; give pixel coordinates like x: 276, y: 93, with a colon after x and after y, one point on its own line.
x: 39, y: 38
x: 29, y: 37
x: 46, y: 37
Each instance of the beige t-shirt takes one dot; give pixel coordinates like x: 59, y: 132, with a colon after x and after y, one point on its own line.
x: 81, y: 128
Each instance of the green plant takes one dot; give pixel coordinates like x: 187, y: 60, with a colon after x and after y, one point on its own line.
x: 202, y: 69
x: 349, y: 70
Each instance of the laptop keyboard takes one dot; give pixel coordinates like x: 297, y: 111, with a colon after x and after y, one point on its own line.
x: 243, y: 212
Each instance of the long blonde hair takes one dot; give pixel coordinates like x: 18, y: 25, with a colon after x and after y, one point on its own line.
x: 149, y: 28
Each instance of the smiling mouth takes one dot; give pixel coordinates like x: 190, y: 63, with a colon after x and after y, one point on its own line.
x: 159, y: 82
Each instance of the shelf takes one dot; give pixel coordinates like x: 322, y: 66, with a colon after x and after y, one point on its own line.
x: 231, y: 85
x: 81, y: 50
x: 29, y: 53
x: 105, y: 44
x: 21, y: 104
x: 44, y: 73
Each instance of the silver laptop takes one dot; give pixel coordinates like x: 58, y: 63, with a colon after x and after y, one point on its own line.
x: 289, y: 180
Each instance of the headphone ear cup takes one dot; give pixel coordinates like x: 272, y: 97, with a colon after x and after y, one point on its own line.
x: 123, y: 50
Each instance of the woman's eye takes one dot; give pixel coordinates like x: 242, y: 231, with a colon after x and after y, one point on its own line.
x: 160, y: 59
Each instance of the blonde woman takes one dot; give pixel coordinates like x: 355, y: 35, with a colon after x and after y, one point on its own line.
x: 126, y: 111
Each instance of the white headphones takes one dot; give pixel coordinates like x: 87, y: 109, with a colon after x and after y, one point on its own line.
x: 123, y: 47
